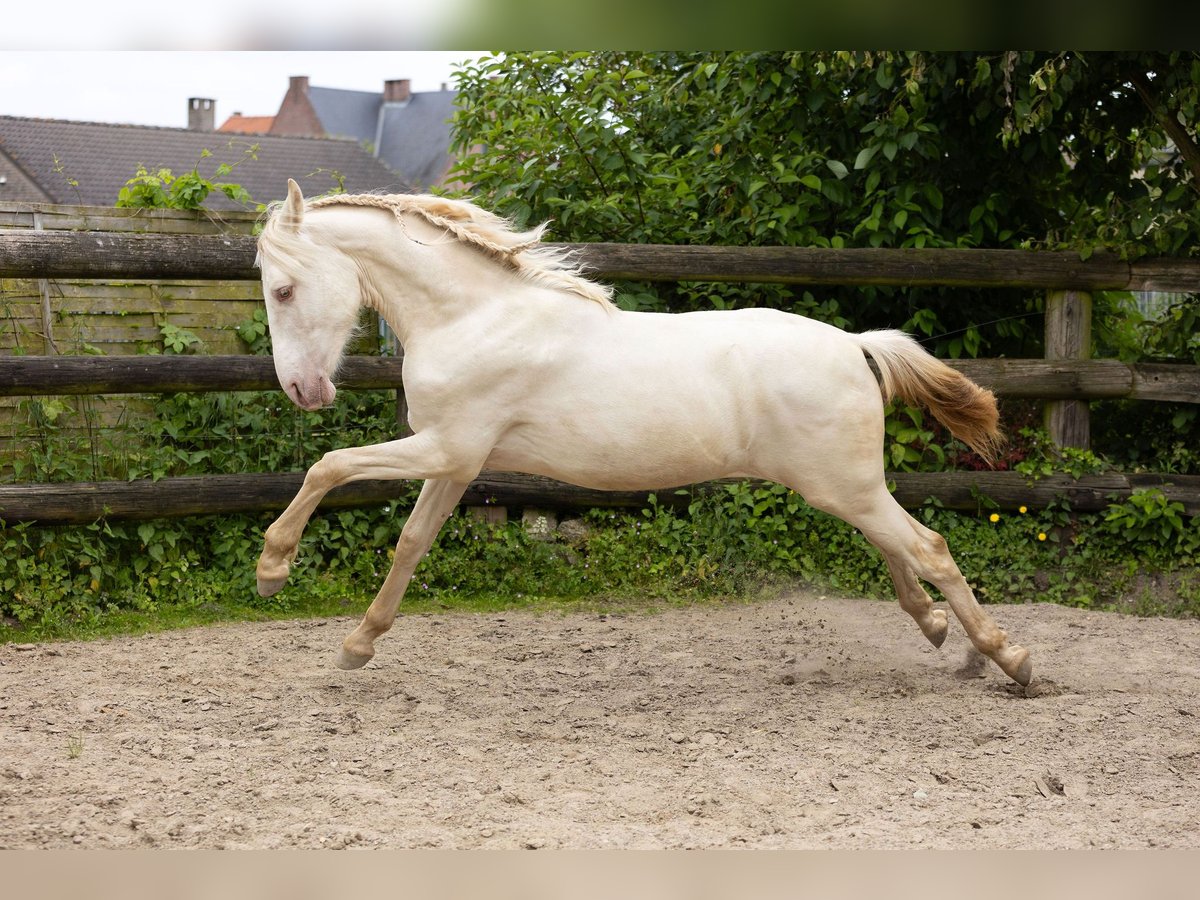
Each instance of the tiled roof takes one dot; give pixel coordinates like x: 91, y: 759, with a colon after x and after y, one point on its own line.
x: 348, y: 114
x: 415, y: 137
x: 100, y: 158
x: 239, y: 124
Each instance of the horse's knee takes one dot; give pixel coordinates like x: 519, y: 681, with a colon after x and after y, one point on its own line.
x: 326, y: 471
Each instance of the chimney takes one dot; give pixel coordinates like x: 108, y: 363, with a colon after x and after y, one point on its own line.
x: 397, y: 91
x: 202, y: 114
x: 298, y: 83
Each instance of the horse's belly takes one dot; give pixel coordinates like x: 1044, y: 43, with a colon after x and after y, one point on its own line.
x: 608, y: 464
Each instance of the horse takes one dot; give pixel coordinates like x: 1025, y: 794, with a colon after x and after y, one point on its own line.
x: 515, y: 361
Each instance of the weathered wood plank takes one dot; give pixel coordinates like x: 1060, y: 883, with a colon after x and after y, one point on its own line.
x: 854, y: 266
x: 1173, y: 383
x: 1011, y: 490
x: 106, y: 255
x: 79, y: 503
x: 128, y: 297
x: 26, y: 375
x: 1030, y: 378
x: 102, y: 218
x: 1164, y: 274
x: 1052, y: 379
x: 61, y: 254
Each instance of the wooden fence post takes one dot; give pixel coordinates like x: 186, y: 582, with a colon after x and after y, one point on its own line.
x: 1068, y: 336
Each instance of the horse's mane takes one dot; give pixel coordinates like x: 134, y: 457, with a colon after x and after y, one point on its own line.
x: 496, y: 236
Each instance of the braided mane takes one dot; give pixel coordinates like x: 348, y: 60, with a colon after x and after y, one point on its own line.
x: 520, y: 251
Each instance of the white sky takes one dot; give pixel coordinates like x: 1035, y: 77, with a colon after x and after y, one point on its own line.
x: 152, y: 87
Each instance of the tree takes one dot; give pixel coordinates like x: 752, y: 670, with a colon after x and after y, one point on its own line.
x: 817, y: 148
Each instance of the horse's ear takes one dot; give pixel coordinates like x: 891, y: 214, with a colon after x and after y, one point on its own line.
x: 292, y: 213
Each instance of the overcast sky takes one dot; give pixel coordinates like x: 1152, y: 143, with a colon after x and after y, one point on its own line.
x: 152, y: 87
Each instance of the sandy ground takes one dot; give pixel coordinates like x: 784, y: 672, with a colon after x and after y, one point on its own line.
x: 799, y: 722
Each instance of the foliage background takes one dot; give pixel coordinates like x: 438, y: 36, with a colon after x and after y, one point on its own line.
x: 1010, y: 149
x: 1073, y: 150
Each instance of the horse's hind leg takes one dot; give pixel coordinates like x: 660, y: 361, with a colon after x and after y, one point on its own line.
x: 434, y: 505
x: 914, y: 550
x: 917, y: 603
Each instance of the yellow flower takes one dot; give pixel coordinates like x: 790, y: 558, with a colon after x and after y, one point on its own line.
x: 994, y: 517
x: 1041, y: 535
x: 1023, y: 510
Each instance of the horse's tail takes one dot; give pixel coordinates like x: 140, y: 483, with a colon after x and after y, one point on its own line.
x: 908, y: 371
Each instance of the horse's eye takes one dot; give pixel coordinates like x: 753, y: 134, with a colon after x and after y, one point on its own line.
x: 284, y: 293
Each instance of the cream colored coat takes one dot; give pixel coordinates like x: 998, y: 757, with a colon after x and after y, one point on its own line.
x: 514, y: 362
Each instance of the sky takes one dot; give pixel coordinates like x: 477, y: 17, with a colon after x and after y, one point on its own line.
x: 152, y: 87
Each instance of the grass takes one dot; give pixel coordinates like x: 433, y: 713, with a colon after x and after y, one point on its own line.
x: 1172, y: 594
x: 332, y: 596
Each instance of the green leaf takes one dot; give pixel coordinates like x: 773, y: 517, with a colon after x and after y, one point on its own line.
x: 837, y: 168
x: 865, y: 155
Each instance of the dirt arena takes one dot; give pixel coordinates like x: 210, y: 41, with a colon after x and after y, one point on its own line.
x: 798, y: 722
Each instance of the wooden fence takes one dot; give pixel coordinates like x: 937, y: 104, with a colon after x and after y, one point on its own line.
x: 1067, y: 378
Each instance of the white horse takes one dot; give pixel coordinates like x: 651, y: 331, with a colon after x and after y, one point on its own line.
x: 513, y: 361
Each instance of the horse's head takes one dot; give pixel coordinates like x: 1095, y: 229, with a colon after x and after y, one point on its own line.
x: 313, y: 293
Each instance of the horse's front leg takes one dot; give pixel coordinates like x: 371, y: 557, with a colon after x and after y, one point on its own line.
x: 436, y: 503
x: 419, y: 456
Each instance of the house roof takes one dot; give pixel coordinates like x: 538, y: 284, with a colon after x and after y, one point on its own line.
x: 412, y: 137
x: 239, y: 124
x: 349, y: 114
x: 99, y: 158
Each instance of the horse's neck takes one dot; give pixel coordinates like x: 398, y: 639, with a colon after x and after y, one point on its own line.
x: 432, y: 285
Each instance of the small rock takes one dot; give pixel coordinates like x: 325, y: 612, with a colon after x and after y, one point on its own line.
x: 574, y: 531
x: 920, y: 795
x: 1074, y: 788
x: 676, y: 737
x: 535, y: 843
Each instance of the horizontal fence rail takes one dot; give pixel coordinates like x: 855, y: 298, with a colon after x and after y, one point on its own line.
x: 84, y: 502
x: 94, y: 254
x: 22, y: 376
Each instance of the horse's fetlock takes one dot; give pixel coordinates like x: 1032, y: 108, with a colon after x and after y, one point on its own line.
x: 990, y: 641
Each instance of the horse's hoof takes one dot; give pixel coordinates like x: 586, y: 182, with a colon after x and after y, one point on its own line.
x: 269, y: 586
x: 1022, y: 672
x: 941, y: 628
x: 347, y: 660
